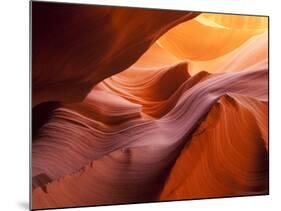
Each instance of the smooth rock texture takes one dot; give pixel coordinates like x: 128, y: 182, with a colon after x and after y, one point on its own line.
x: 122, y: 114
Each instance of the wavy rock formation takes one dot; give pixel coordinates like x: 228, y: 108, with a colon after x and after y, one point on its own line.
x: 147, y: 147
x: 226, y: 156
x: 76, y: 46
x: 165, y: 127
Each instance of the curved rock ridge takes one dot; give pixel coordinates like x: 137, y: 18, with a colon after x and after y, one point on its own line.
x: 135, y: 105
x: 227, y: 155
x: 75, y: 49
x: 71, y: 140
x: 157, y: 90
x: 155, y: 57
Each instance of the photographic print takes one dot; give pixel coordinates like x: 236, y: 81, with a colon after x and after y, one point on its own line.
x: 136, y: 105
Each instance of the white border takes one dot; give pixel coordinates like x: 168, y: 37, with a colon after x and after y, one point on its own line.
x: 14, y: 108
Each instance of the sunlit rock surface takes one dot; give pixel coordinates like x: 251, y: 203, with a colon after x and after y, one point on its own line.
x: 134, y: 105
